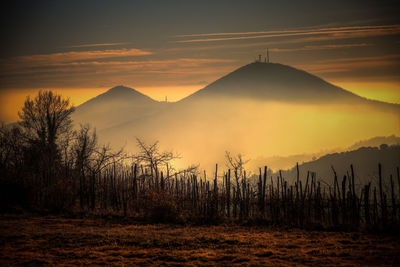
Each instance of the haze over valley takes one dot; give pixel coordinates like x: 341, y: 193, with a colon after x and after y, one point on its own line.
x: 260, y: 110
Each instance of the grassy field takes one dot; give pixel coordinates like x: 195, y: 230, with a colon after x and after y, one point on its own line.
x: 34, y: 240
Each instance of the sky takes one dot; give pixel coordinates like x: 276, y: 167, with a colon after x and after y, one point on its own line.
x: 173, y: 48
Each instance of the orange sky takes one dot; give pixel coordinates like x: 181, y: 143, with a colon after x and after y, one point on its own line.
x: 12, y: 100
x: 177, y: 48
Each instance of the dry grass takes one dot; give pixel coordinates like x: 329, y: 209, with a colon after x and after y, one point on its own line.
x: 27, y: 240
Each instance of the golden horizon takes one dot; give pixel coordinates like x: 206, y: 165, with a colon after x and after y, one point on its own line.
x: 12, y: 100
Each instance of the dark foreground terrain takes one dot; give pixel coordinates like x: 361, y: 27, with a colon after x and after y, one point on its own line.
x: 34, y: 240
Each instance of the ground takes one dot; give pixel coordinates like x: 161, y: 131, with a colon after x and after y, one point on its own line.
x: 50, y: 240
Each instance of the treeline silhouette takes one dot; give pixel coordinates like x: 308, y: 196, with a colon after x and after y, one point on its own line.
x: 48, y: 166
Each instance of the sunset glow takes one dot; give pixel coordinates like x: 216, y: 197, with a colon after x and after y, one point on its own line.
x: 200, y: 133
x: 354, y: 52
x: 172, y: 60
x: 382, y: 91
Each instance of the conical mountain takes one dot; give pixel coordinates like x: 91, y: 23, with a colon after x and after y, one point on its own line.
x: 117, y: 106
x: 278, y: 82
x: 118, y: 93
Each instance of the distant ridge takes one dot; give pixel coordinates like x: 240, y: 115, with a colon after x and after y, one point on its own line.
x: 376, y: 142
x: 287, y: 162
x: 364, y: 159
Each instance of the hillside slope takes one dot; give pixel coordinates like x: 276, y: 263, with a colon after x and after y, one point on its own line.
x: 278, y: 82
x: 117, y: 106
x: 365, y: 162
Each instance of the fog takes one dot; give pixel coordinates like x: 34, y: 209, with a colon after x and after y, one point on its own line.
x: 260, y: 110
x: 203, y: 130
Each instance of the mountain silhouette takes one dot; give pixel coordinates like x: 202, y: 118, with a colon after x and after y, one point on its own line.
x: 259, y: 109
x: 273, y: 81
x: 119, y: 93
x: 118, y: 105
x: 278, y: 82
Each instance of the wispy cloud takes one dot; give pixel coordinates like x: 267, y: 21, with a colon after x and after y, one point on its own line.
x: 96, y: 45
x: 301, y: 40
x: 296, y: 30
x: 57, y: 72
x: 164, y: 66
x: 43, y: 60
x: 348, y: 32
x: 81, y: 55
x: 351, y: 64
x: 319, y: 47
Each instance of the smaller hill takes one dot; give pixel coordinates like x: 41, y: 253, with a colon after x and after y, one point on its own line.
x: 119, y: 105
x: 118, y: 93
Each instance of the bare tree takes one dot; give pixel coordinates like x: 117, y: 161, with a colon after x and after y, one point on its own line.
x: 152, y: 157
x: 44, y: 121
x: 46, y: 117
x: 11, y: 148
x: 235, y: 163
x: 90, y: 160
x: 84, y: 146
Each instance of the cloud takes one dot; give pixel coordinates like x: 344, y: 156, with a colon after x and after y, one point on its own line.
x: 319, y: 47
x: 35, y: 62
x: 295, y: 40
x: 348, y: 32
x: 370, y: 58
x: 96, y: 45
x: 55, y: 58
x: 156, y: 65
x: 308, y: 29
x: 62, y: 72
x: 351, y: 64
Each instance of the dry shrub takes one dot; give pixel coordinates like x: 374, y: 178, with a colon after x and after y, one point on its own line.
x: 161, y: 207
